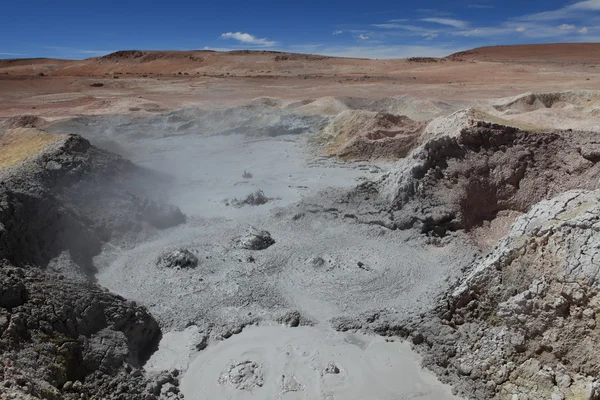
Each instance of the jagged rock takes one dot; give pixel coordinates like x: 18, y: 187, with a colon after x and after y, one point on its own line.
x: 161, y: 216
x: 459, y: 181
x: 90, y: 196
x: 12, y: 289
x: 65, y: 333
x: 61, y: 335
x: 180, y: 258
x: 257, y: 198
x: 291, y: 319
x: 256, y: 240
x: 331, y: 368
x: 524, y: 316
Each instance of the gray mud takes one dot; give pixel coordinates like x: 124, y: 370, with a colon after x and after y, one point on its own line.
x: 309, y: 362
x: 246, y: 250
x: 320, y: 265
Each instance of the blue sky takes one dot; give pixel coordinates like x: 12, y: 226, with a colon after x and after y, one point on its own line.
x: 354, y: 28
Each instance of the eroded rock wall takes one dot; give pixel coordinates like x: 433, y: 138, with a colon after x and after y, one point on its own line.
x: 524, y: 321
x: 458, y: 182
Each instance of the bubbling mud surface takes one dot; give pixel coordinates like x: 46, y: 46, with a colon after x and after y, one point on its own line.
x: 275, y: 362
x: 316, y: 264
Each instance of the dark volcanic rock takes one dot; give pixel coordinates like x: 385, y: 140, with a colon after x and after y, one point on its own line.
x: 59, y: 330
x: 256, y: 240
x: 64, y: 337
x: 161, y: 216
x: 73, y: 197
x: 180, y: 258
x: 257, y: 198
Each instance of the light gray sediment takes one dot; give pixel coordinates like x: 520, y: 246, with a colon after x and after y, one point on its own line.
x: 360, y: 247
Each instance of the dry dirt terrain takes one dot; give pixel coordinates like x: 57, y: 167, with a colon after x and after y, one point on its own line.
x: 253, y: 224
x: 159, y: 81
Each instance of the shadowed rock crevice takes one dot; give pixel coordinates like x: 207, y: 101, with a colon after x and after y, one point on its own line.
x: 459, y: 182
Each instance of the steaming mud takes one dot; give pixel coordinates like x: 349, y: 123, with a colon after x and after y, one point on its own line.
x: 274, y: 362
x: 209, y: 171
x: 205, y: 279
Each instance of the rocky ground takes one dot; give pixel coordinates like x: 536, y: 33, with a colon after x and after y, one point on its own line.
x: 470, y: 232
x: 522, y: 322
x: 63, y: 336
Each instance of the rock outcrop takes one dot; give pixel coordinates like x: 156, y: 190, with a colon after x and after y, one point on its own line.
x: 179, y: 258
x: 255, y: 239
x: 72, y: 197
x: 458, y: 182
x: 257, y: 198
x: 61, y: 335
x: 70, y: 339
x: 369, y: 135
x: 523, y: 323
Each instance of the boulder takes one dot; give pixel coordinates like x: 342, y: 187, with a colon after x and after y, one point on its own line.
x: 179, y: 258
x: 256, y: 239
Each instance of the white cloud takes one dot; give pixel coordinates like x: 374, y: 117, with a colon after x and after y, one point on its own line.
x: 363, y: 37
x: 411, y: 28
x: 247, y: 38
x: 485, y: 31
x: 430, y: 36
x: 380, y: 51
x: 337, y: 32
x: 530, y: 30
x: 587, y: 5
x: 572, y: 11
x: 566, y: 27
x: 447, y: 21
x: 12, y: 54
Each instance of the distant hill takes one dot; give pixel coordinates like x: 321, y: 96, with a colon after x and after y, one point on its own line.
x: 552, y: 52
x: 251, y: 63
x: 189, y: 62
x: 19, y: 62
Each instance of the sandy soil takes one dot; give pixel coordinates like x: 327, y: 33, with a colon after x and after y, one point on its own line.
x: 569, y: 53
x: 152, y: 83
